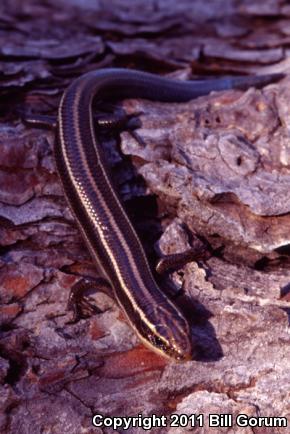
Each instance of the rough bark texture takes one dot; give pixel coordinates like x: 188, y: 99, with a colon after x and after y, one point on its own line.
x: 213, y: 173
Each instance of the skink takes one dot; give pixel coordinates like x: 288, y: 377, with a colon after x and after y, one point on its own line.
x: 106, y: 229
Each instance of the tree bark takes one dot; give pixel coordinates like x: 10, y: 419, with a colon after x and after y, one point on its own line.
x: 212, y: 173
